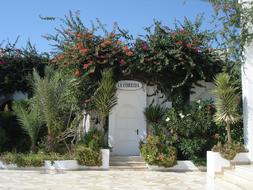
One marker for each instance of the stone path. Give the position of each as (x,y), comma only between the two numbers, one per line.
(113,180)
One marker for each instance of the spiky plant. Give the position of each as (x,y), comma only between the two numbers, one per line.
(105,97)
(51,94)
(154,113)
(29,118)
(226,103)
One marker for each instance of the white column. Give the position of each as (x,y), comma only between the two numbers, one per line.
(247,94)
(247,87)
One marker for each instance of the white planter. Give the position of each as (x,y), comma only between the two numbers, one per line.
(105,159)
(242,158)
(7,166)
(62,164)
(215,163)
(183,165)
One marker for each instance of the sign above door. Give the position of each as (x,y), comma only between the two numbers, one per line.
(129,85)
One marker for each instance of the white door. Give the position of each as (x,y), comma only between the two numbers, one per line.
(127,123)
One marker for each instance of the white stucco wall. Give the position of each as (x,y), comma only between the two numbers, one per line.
(202,93)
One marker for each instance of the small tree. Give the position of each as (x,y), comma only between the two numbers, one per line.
(226,103)
(105,97)
(28,116)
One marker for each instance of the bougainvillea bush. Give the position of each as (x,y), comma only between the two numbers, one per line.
(171,58)
(16,64)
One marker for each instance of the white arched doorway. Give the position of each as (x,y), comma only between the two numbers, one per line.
(127,123)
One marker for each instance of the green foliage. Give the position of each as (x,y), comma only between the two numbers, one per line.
(159,151)
(31,160)
(105,97)
(3,138)
(229,151)
(185,55)
(57,103)
(16,139)
(87,156)
(226,100)
(226,103)
(154,113)
(195,129)
(93,139)
(28,116)
(16,64)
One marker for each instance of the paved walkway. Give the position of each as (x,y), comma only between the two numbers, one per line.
(113,180)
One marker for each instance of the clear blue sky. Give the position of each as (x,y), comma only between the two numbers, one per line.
(21,17)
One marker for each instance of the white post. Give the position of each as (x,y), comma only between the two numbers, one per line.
(247,87)
(247,95)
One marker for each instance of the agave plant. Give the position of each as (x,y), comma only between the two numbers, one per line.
(154,113)
(105,97)
(226,103)
(28,117)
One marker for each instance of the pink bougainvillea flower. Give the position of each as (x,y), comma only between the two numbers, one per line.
(84,51)
(122,62)
(179,43)
(144,46)
(2,62)
(85,66)
(125,48)
(129,53)
(188,45)
(197,50)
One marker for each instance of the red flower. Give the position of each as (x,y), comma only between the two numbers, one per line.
(129,53)
(84,51)
(79,45)
(188,45)
(122,62)
(125,48)
(85,66)
(78,35)
(179,43)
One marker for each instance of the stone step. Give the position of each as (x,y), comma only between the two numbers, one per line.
(126,159)
(245,171)
(128,168)
(129,163)
(240,179)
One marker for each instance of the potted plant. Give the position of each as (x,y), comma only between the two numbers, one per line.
(226,103)
(104,100)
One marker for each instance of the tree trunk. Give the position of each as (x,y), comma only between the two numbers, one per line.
(229,133)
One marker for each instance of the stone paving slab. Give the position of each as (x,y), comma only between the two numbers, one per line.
(113,180)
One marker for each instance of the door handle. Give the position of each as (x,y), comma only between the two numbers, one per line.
(137,131)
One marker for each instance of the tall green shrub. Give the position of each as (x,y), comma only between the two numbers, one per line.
(105,97)
(28,117)
(226,103)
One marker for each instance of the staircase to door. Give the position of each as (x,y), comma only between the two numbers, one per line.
(241,177)
(127,163)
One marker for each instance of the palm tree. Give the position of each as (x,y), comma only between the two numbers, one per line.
(105,97)
(51,94)
(28,117)
(226,103)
